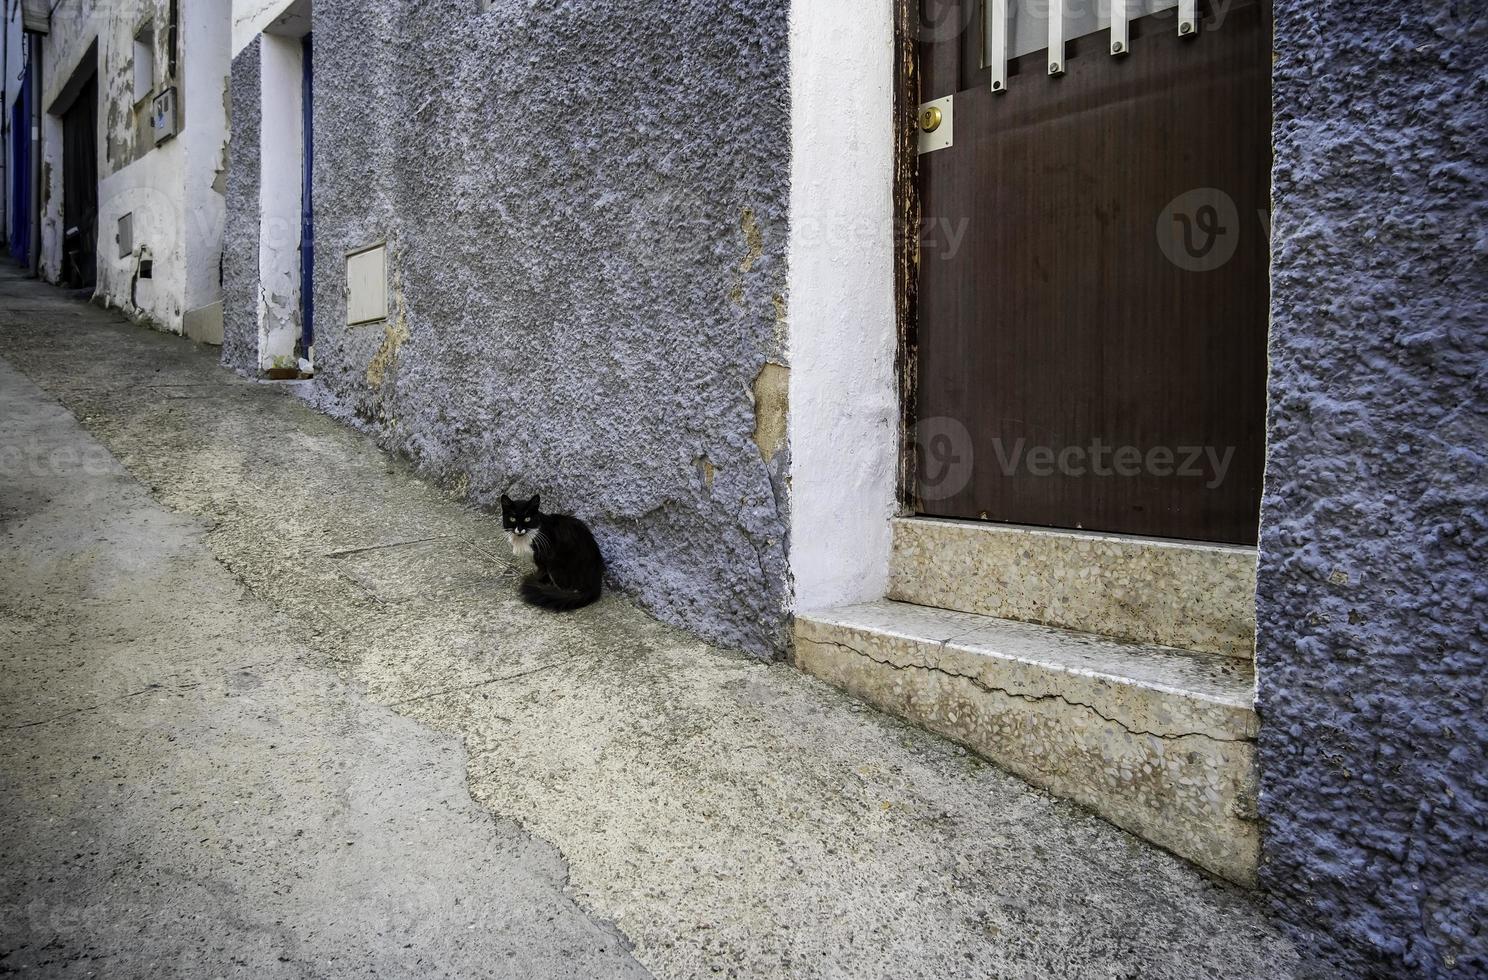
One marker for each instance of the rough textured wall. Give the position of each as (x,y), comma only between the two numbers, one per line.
(1373,597)
(585,207)
(240,236)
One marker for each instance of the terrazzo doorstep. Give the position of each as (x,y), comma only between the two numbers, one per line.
(1191,596)
(1173,765)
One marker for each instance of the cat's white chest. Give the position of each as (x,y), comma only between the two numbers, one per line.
(521,544)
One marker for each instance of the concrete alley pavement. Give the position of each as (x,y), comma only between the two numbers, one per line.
(271,706)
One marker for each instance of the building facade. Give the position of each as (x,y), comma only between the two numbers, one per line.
(638,269)
(127,154)
(1107,395)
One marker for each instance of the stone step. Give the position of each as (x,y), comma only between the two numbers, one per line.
(1190,595)
(1159,741)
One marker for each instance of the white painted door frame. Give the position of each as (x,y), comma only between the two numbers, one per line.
(845,414)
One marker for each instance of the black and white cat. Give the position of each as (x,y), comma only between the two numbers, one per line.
(570,569)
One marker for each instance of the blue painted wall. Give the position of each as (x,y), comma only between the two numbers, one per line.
(1373,589)
(585,205)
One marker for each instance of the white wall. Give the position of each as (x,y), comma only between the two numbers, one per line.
(250,17)
(136,177)
(282,155)
(844,423)
(175,191)
(50,246)
(150,190)
(206,34)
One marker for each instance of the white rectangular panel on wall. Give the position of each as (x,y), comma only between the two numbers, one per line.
(366,285)
(126,235)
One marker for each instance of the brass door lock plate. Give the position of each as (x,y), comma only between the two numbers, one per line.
(937,124)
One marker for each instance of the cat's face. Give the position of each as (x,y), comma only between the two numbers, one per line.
(519,516)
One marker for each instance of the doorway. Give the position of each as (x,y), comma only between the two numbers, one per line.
(1092,303)
(80,187)
(286,233)
(20,211)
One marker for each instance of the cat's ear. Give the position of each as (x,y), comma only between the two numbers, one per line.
(533,503)
(505,500)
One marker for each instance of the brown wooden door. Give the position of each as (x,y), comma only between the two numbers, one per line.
(1093,280)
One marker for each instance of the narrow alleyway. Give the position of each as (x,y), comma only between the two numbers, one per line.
(271,706)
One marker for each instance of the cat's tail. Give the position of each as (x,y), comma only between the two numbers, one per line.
(546,595)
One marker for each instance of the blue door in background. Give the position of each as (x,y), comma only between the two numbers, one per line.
(20,177)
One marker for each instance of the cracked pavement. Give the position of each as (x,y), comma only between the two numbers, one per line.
(298,723)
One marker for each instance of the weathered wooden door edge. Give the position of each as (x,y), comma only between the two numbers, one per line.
(906,235)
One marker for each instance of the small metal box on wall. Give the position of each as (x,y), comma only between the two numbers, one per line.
(36,15)
(164,116)
(126,235)
(366,285)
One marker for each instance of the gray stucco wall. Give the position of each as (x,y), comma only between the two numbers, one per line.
(240,236)
(585,206)
(1373,597)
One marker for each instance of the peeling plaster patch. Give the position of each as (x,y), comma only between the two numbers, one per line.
(771,404)
(706,470)
(754,240)
(114,147)
(396,332)
(392,341)
(754,245)
(219,179)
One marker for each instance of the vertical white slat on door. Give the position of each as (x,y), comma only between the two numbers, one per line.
(997,43)
(1120,27)
(1056,37)
(1188,17)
